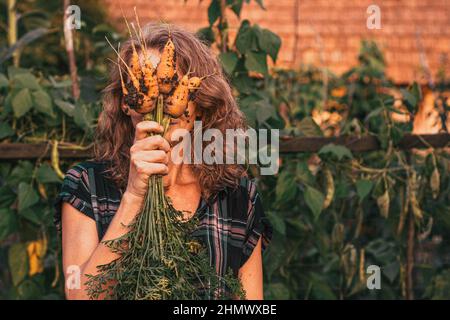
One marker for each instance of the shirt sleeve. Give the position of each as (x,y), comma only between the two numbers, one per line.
(75,191)
(258,225)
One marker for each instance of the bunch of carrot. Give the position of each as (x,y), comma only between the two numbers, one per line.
(158,257)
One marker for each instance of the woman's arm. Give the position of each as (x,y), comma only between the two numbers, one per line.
(81,247)
(80,244)
(251,275)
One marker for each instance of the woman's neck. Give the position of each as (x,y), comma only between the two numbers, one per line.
(179,175)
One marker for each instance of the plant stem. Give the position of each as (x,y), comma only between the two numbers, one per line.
(12,30)
(410,259)
(68,39)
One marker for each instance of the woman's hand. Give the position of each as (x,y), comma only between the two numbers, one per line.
(148,156)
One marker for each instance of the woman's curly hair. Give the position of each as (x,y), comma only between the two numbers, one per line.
(115,131)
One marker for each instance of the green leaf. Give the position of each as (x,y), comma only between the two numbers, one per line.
(297,224)
(206,34)
(4,82)
(27,196)
(22,172)
(410,100)
(60,84)
(309,128)
(26,80)
(320,288)
(229,61)
(416,91)
(256,61)
(363,188)
(31,215)
(342,189)
(248,106)
(83,117)
(243,83)
(7,196)
(397,134)
(286,188)
(14,71)
(337,150)
(67,107)
(277,222)
(412,97)
(43,102)
(378,189)
(278,291)
(261,4)
(5,130)
(5,169)
(303,174)
(245,38)
(270,43)
(7,105)
(8,222)
(213,12)
(391,271)
(314,200)
(29,289)
(22,103)
(18,262)
(274,257)
(236,7)
(45,174)
(381,249)
(264,110)
(375,113)
(250,116)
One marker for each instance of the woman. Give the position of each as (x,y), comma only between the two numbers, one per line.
(100,198)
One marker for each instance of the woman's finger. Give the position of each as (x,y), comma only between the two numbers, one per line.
(143,128)
(149,169)
(151,143)
(159,156)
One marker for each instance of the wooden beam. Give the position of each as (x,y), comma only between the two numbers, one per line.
(16,151)
(439,140)
(314,144)
(362,144)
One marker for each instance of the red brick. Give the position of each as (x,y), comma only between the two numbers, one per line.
(340,24)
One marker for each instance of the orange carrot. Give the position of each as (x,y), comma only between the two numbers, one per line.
(177,103)
(166,68)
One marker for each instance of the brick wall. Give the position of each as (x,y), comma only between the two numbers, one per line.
(328,32)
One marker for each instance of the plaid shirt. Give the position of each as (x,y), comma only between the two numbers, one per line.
(230,224)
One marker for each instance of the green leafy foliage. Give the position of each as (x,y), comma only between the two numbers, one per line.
(21,102)
(27,196)
(36,106)
(245,60)
(317,252)
(337,151)
(323,252)
(314,200)
(18,262)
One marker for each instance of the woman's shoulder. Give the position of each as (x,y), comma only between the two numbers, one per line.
(80,176)
(75,190)
(246,188)
(236,202)
(84,166)
(244,205)
(80,171)
(82,183)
